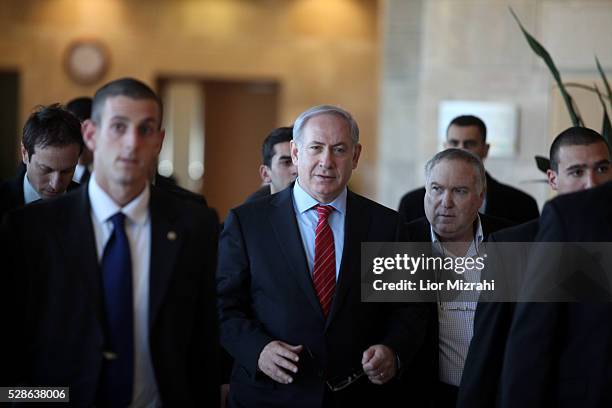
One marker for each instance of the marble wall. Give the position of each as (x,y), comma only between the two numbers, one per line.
(438,50)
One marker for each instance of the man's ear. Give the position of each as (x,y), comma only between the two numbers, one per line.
(162,135)
(486,150)
(24,154)
(356,154)
(552,179)
(264,173)
(88,129)
(294,152)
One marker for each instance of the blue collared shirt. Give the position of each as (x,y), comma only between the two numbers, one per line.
(307,218)
(29,192)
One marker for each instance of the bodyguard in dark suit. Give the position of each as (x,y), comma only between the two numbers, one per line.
(118,303)
(580,159)
(501,201)
(50,148)
(455,190)
(560,354)
(81,108)
(290,306)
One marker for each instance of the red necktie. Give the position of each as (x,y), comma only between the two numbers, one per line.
(324,270)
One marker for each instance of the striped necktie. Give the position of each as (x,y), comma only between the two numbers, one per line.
(324,270)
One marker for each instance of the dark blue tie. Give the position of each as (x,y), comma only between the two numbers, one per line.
(118,368)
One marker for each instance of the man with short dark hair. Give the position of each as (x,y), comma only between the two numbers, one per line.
(118,304)
(50,149)
(455,188)
(469,133)
(290,304)
(277,170)
(81,108)
(580,159)
(559,354)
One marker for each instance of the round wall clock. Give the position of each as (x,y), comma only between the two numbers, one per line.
(86,61)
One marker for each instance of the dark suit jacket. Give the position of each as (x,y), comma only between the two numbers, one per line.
(266,293)
(503,201)
(168,184)
(483,366)
(56,309)
(259,193)
(560,354)
(11,192)
(420,231)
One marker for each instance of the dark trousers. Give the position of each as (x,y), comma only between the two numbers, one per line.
(446,395)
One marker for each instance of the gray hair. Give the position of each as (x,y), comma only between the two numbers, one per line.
(301,120)
(464,156)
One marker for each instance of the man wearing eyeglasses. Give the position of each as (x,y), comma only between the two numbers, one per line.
(289,285)
(455,189)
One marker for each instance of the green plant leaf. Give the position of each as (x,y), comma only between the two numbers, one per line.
(542,53)
(605,81)
(606,128)
(543,163)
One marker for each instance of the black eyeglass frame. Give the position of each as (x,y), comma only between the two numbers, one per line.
(339,382)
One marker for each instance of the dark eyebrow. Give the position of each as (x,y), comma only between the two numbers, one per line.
(605,161)
(285,157)
(125,118)
(118,117)
(576,167)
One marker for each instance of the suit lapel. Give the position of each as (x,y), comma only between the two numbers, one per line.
(284,224)
(78,242)
(166,240)
(356,224)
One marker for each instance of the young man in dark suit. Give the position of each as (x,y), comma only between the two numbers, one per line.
(277,170)
(455,188)
(502,201)
(118,302)
(559,354)
(50,149)
(290,304)
(580,159)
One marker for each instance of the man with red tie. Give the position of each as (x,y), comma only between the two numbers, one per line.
(289,284)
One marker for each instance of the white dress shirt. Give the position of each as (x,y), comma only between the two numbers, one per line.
(138,231)
(29,192)
(456,319)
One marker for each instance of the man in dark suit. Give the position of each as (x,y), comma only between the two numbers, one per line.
(290,307)
(277,170)
(501,201)
(118,302)
(50,148)
(81,108)
(455,185)
(560,354)
(580,159)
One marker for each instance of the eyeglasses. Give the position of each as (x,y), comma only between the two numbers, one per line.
(340,382)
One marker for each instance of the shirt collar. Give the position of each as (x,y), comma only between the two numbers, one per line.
(78,172)
(305,202)
(104,207)
(479,234)
(29,192)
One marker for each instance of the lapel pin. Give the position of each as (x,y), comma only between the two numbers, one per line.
(171,235)
(109,355)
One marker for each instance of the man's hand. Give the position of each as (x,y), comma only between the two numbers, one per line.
(278,358)
(379,363)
